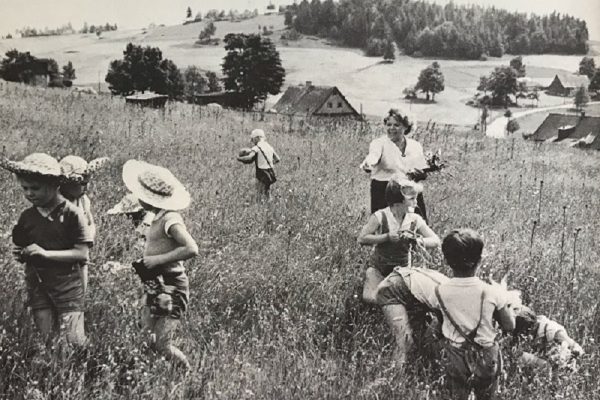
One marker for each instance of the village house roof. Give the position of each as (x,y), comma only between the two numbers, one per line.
(150,99)
(572,80)
(572,129)
(308,99)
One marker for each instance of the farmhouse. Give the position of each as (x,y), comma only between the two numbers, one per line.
(313,100)
(40,68)
(565,84)
(575,130)
(147,99)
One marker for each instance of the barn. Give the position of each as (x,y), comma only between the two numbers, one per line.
(566,84)
(147,99)
(311,100)
(575,130)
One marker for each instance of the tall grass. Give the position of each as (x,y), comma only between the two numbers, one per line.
(274,310)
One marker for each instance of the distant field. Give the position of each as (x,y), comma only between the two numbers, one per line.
(365,81)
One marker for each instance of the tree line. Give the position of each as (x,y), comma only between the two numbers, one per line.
(66,29)
(427,29)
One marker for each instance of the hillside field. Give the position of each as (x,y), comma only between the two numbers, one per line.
(274,310)
(366,82)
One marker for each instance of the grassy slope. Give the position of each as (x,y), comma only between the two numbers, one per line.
(273,310)
(364,80)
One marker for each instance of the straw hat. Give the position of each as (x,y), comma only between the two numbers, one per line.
(129,204)
(155,185)
(35,164)
(77,169)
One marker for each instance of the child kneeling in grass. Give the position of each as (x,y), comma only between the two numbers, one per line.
(473,359)
(53,239)
(395,231)
(168,244)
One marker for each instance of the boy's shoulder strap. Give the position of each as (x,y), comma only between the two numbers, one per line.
(385,225)
(264,155)
(470,337)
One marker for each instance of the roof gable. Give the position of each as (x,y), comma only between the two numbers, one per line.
(582,128)
(306,99)
(549,128)
(572,80)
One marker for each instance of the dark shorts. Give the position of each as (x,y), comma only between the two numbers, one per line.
(393,290)
(169,297)
(265,176)
(53,287)
(469,369)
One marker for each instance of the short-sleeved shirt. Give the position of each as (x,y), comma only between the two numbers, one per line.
(159,241)
(264,158)
(61,229)
(462,299)
(387,159)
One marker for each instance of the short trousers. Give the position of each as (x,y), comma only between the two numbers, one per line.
(265,176)
(59,288)
(168,295)
(394,290)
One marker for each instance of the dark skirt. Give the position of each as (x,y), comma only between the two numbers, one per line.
(378,199)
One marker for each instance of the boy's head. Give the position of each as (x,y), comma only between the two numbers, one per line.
(404,191)
(462,250)
(39,190)
(257,135)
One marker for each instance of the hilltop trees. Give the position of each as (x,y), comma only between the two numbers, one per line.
(587,66)
(143,68)
(457,31)
(252,68)
(431,80)
(188,13)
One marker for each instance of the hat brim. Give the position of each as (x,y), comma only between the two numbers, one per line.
(178,200)
(21,168)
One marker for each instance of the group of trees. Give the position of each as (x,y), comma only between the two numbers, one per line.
(251,68)
(22,67)
(97,29)
(429,29)
(27,31)
(143,68)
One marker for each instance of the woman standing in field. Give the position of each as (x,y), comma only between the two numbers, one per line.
(395,154)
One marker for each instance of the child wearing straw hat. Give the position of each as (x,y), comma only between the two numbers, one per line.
(394,231)
(78,173)
(168,244)
(264,157)
(52,239)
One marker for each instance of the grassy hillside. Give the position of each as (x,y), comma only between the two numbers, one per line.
(274,312)
(365,81)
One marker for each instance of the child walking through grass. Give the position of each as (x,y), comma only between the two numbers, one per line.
(168,244)
(394,231)
(264,157)
(473,358)
(53,239)
(78,172)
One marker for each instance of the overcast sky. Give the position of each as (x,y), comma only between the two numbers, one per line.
(16,14)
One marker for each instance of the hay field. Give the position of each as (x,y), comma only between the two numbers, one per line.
(274,312)
(364,80)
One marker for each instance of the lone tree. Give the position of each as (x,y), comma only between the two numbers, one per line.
(388,51)
(502,82)
(188,13)
(431,80)
(512,126)
(69,71)
(144,69)
(252,68)
(587,66)
(581,98)
(517,64)
(209,30)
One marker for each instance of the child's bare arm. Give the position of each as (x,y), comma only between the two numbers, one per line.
(506,318)
(368,235)
(429,239)
(187,248)
(79,253)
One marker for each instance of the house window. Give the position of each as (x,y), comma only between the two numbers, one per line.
(339,104)
(329,105)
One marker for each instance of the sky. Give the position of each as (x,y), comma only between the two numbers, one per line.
(15,14)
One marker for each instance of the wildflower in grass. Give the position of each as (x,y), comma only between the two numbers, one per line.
(52,238)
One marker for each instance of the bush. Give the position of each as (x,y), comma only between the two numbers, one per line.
(291,34)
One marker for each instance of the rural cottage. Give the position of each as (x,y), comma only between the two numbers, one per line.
(565,84)
(581,131)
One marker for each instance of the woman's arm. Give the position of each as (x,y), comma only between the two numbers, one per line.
(187,248)
(429,239)
(368,235)
(79,253)
(372,159)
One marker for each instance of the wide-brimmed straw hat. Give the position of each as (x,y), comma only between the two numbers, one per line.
(77,169)
(35,165)
(129,204)
(155,185)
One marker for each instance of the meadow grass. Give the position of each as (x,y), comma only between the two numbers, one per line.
(274,309)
